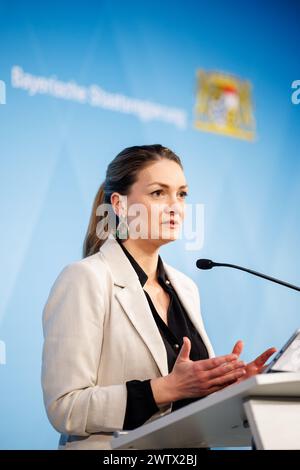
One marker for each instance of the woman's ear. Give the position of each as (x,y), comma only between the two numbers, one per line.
(115,202)
(119,204)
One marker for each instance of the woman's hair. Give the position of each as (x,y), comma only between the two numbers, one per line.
(121,174)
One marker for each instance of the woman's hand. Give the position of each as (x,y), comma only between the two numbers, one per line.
(192,379)
(258,365)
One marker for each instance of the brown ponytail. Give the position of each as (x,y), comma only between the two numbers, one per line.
(92,242)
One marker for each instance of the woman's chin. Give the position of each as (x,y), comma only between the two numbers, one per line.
(170,234)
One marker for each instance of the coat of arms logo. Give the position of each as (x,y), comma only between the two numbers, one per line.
(224,105)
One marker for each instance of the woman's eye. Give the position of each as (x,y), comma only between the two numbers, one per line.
(157,192)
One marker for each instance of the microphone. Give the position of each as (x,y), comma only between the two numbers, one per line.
(209,264)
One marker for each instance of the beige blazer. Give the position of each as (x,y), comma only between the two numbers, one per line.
(99,332)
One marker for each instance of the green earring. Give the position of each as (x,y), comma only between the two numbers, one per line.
(122,230)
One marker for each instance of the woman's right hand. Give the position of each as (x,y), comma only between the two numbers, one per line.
(192,379)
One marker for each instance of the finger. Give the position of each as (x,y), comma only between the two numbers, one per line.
(225,379)
(184,353)
(238,347)
(207,364)
(225,369)
(260,360)
(217,388)
(231,382)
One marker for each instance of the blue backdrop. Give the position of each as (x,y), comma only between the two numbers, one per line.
(54,153)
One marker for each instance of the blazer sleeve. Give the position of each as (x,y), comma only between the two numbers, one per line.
(73,333)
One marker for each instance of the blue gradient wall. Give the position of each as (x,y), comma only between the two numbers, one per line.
(54,153)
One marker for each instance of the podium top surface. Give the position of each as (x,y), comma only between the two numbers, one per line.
(216,420)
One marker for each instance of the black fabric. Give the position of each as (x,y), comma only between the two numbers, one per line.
(140,404)
(140,401)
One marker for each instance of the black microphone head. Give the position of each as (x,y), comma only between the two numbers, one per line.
(205,263)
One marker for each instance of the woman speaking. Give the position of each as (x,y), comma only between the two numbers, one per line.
(124,339)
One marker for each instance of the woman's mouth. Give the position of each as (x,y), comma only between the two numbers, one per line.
(171,223)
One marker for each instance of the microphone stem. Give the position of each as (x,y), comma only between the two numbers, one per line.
(264,276)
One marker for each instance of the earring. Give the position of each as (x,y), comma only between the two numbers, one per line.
(122,230)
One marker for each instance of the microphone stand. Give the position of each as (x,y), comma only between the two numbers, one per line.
(208,264)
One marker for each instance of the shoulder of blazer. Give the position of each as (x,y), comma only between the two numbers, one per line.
(89,273)
(93,264)
(84,281)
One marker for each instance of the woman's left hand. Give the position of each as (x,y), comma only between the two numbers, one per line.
(258,365)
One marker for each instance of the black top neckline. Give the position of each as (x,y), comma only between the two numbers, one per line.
(161,273)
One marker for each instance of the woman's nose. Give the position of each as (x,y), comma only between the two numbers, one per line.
(173,209)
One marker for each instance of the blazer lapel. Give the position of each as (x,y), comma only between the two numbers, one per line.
(187,298)
(135,305)
(131,297)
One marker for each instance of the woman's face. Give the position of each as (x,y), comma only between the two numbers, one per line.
(155,205)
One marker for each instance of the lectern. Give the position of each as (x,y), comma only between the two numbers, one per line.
(265,407)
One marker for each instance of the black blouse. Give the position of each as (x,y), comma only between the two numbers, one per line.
(140,401)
